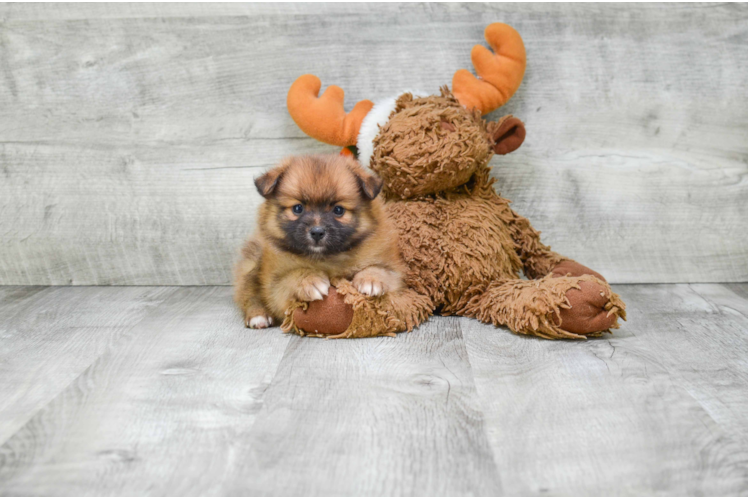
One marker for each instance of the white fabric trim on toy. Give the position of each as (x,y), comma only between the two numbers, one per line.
(377,117)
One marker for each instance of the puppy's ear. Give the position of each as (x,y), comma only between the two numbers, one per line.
(267,182)
(370,184)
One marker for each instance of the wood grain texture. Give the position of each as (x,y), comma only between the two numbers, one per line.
(381,416)
(658,408)
(49,336)
(186,401)
(160,413)
(51,11)
(131,133)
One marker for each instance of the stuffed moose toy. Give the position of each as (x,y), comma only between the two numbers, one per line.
(463,245)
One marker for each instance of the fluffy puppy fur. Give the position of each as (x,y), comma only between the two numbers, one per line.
(322,219)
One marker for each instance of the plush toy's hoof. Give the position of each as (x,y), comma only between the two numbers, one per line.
(572,268)
(329,316)
(588,313)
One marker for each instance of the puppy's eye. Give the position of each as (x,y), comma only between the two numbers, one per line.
(297,209)
(338,210)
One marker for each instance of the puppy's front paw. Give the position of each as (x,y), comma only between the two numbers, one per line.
(375,281)
(258,322)
(312,288)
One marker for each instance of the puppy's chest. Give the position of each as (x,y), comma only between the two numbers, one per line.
(276,266)
(455,243)
(339,268)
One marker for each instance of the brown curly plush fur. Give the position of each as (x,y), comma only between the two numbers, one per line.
(428,145)
(463,244)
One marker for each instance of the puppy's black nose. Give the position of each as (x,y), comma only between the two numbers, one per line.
(317,233)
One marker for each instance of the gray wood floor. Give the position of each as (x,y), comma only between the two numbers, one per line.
(160,390)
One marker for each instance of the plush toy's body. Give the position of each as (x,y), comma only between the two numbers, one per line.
(463,244)
(465,250)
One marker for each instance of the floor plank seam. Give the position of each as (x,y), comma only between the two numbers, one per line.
(83,372)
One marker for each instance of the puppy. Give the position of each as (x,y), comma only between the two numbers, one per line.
(321,220)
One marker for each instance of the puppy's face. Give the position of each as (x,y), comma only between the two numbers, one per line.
(318,205)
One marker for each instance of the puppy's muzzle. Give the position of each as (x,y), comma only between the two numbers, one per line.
(317,233)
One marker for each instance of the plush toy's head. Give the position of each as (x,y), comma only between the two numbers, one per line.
(424,144)
(432,144)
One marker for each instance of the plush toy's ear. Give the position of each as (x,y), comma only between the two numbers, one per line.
(267,182)
(507,134)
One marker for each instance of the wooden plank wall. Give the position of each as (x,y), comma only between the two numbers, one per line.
(130,133)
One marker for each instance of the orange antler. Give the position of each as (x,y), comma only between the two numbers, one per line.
(324,118)
(500,73)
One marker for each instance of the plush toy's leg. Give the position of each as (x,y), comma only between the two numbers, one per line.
(550,307)
(386,315)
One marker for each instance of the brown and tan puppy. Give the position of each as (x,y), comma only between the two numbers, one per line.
(322,219)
